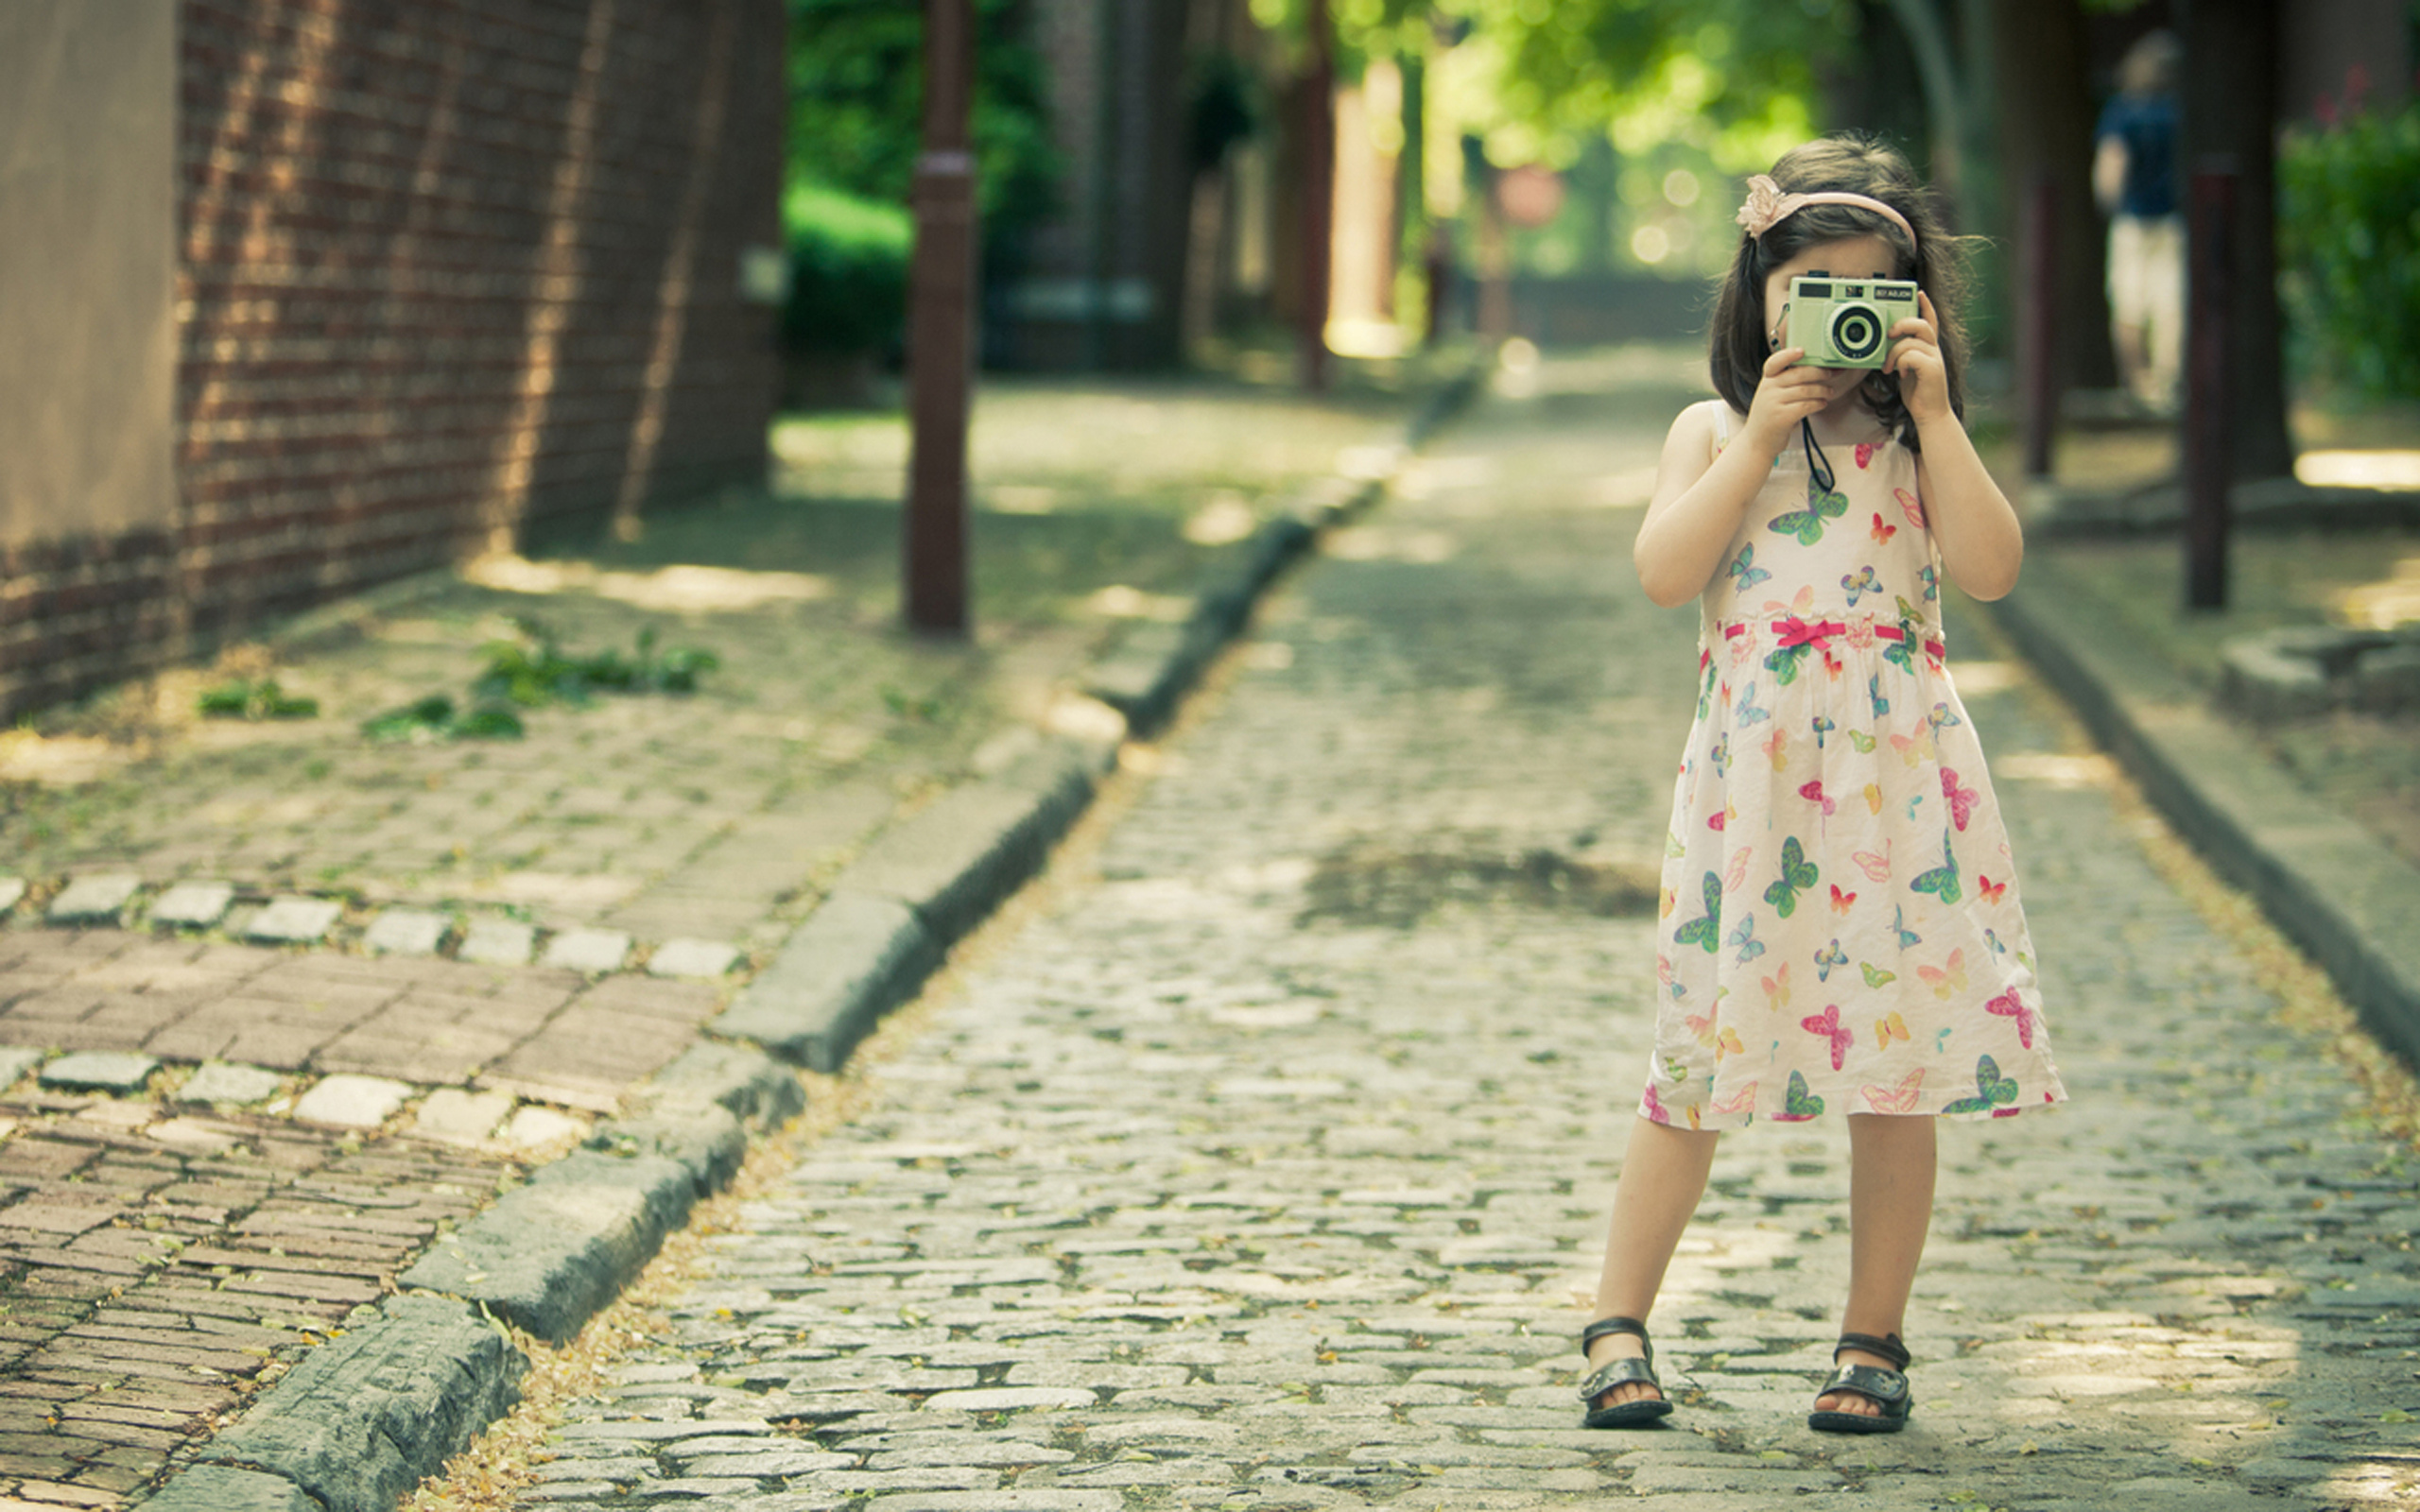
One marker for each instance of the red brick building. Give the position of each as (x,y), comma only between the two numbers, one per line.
(429,276)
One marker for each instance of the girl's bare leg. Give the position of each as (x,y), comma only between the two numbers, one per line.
(1663,1175)
(1890,1182)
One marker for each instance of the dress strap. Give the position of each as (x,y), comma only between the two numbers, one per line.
(1721,426)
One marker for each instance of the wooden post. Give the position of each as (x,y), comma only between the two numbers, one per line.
(2039,325)
(941,329)
(2208,462)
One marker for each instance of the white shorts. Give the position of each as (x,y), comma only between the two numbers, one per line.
(2147,271)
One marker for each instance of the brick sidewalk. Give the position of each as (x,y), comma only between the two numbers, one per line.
(213,1145)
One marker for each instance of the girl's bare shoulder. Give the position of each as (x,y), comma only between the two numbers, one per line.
(1703,427)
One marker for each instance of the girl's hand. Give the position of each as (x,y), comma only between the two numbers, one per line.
(1785,395)
(1924,383)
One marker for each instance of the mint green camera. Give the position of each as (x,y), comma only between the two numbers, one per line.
(1845,322)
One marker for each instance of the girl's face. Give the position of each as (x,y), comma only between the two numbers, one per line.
(1851,257)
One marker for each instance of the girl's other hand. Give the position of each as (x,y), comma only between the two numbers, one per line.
(1785,395)
(1924,383)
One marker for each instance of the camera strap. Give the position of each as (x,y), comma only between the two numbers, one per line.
(1819,467)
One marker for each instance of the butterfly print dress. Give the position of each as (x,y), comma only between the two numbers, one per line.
(1839,925)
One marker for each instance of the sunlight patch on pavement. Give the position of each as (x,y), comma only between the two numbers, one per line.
(2054,770)
(59,759)
(2384,605)
(2359,470)
(679,588)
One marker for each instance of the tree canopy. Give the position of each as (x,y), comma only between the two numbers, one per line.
(856,85)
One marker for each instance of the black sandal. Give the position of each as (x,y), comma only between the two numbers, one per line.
(1622,1372)
(1886,1389)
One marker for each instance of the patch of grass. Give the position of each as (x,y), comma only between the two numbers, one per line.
(247,698)
(535,671)
(434,718)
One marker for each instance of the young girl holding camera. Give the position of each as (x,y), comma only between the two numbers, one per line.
(1841,930)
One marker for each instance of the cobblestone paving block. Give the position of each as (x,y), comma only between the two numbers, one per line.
(192,905)
(1290,1138)
(856,957)
(498,943)
(294,921)
(12,892)
(702,958)
(349,1101)
(99,1071)
(221,1081)
(587,949)
(459,1116)
(362,1419)
(406,931)
(97,898)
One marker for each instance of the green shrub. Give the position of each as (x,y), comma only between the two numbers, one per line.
(2349,228)
(848,270)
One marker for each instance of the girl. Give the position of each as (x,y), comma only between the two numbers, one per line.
(1840,927)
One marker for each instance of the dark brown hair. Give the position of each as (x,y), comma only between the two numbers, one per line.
(1851,164)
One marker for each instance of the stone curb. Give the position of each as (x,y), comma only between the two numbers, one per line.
(360,1420)
(2337,892)
(923,883)
(2056,512)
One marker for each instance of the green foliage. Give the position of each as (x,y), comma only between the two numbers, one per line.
(433,718)
(856,85)
(533,670)
(2349,234)
(848,270)
(243,698)
(1731,78)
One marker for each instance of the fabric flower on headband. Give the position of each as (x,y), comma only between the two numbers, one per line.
(1767,206)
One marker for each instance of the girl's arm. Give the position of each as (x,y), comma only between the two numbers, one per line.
(1700,501)
(1981,543)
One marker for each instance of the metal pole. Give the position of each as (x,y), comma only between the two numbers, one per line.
(2208,466)
(1319,197)
(2041,392)
(941,329)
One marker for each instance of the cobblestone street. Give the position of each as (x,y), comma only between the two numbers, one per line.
(1270,1167)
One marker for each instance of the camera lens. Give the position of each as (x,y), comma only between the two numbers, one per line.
(1856,331)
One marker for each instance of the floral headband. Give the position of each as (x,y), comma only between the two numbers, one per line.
(1767,206)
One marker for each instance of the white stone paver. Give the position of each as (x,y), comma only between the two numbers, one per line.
(220,1081)
(294,921)
(532,1126)
(97,899)
(461,1117)
(702,958)
(587,949)
(111,1071)
(498,943)
(192,905)
(406,931)
(349,1101)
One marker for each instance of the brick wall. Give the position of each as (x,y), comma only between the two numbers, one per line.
(447,274)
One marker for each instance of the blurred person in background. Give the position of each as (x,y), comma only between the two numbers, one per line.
(2133,178)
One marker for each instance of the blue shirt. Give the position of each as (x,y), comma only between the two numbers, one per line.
(2146,125)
